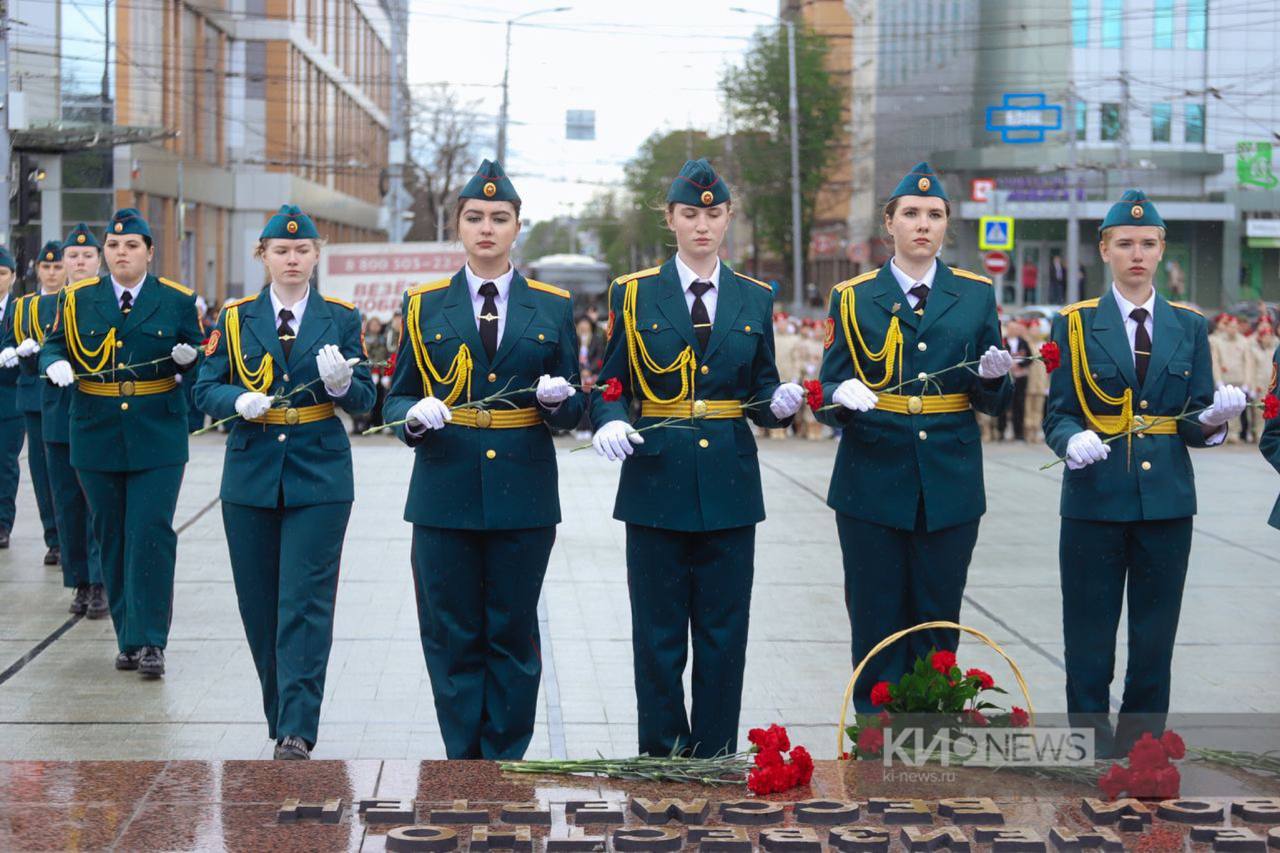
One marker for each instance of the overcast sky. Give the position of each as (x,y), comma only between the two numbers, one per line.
(642,67)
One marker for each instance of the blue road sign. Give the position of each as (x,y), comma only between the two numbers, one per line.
(1023,119)
(995,233)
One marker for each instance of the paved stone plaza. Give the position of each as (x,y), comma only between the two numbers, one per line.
(67,702)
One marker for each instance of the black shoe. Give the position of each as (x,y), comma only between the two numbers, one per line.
(80,604)
(53,556)
(151,662)
(128,660)
(97,606)
(292,748)
(4,538)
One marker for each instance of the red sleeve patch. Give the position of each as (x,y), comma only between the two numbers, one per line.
(211,345)
(609,331)
(831,333)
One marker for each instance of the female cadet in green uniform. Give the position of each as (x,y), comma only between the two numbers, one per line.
(690,339)
(907,485)
(26,334)
(483,500)
(286,483)
(81,560)
(12,429)
(120,339)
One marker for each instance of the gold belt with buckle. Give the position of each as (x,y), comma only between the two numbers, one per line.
(127,388)
(714,409)
(1163,425)
(496,418)
(294,416)
(937,404)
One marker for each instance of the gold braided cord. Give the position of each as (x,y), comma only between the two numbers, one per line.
(892,342)
(37,331)
(639,360)
(258,380)
(459,371)
(1081,376)
(105,352)
(19,332)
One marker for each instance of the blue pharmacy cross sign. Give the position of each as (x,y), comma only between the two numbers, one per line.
(1023,119)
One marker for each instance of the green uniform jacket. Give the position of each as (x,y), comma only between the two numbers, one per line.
(487,479)
(702,474)
(1270,444)
(147,430)
(8,375)
(28,384)
(55,402)
(887,462)
(1156,481)
(309,463)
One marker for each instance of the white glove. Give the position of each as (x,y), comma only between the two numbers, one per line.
(27,348)
(335,371)
(8,357)
(183,354)
(613,440)
(60,373)
(430,413)
(786,400)
(995,362)
(554,390)
(1085,448)
(1228,403)
(251,404)
(852,394)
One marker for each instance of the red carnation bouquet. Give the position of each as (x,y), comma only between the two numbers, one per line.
(935,686)
(1150,773)
(778,766)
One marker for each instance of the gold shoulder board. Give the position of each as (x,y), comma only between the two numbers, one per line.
(185,291)
(549,288)
(972,276)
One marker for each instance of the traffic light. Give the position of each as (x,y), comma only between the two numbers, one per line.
(30,177)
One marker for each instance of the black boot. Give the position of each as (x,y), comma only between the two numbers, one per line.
(4,538)
(80,604)
(292,748)
(53,556)
(98,607)
(151,664)
(128,660)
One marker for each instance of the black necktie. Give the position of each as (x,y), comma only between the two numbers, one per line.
(1141,343)
(489,318)
(921,293)
(126,303)
(285,331)
(698,314)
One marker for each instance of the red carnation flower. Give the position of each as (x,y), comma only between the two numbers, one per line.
(1147,754)
(985,680)
(612,390)
(1168,783)
(880,694)
(1173,745)
(1270,406)
(1114,782)
(802,763)
(975,718)
(1142,783)
(1051,356)
(391,363)
(1018,718)
(813,390)
(884,719)
(774,737)
(943,662)
(766,758)
(870,741)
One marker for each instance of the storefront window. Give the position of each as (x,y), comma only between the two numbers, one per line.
(1110,127)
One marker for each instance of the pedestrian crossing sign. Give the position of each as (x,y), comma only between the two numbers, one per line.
(995,233)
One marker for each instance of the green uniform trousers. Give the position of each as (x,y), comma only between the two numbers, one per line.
(1099,561)
(12,432)
(894,579)
(132,515)
(477,593)
(285,564)
(684,582)
(40,477)
(81,559)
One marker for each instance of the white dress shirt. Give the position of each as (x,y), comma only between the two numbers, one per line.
(4,306)
(503,283)
(297,309)
(688,277)
(1130,324)
(906,282)
(132,291)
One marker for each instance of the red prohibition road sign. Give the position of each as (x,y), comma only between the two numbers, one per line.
(995,263)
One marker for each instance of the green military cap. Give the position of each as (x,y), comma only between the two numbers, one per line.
(490,183)
(1133,208)
(81,236)
(50,253)
(698,185)
(290,224)
(921,180)
(129,221)
(6,259)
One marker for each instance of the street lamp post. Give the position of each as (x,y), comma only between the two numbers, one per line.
(793,106)
(506,76)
